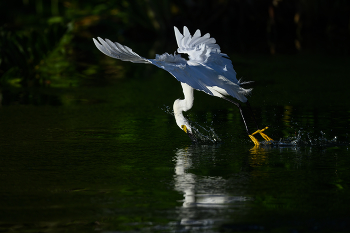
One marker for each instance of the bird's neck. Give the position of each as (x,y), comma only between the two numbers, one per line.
(183,105)
(187,102)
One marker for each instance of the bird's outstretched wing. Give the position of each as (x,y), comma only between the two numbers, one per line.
(216,72)
(118,51)
(174,64)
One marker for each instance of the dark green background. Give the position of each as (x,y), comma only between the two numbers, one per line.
(88,143)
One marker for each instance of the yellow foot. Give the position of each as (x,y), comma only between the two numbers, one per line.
(260,131)
(256,142)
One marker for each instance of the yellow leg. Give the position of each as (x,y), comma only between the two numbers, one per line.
(267,138)
(260,131)
(256,142)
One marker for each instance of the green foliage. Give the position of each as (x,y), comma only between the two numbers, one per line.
(23,52)
(49,42)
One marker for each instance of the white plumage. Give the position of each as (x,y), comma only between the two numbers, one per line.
(207,69)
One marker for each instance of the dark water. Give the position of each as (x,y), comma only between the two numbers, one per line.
(111,159)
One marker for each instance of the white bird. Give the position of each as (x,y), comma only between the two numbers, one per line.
(207,69)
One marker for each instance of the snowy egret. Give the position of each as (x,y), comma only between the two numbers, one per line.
(207,69)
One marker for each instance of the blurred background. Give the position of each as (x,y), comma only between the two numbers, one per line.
(49,42)
(89,143)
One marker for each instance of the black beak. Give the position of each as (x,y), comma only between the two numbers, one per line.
(192,137)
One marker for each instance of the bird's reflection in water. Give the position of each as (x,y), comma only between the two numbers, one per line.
(258,156)
(206,200)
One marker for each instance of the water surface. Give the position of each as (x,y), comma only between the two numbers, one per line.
(111,159)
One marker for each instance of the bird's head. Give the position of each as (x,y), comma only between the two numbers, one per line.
(186,128)
(183,123)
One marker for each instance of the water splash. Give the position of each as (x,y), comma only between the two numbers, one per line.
(168,110)
(202,134)
(207,135)
(303,138)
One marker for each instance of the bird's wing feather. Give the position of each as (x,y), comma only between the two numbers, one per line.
(178,67)
(204,77)
(188,44)
(118,51)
